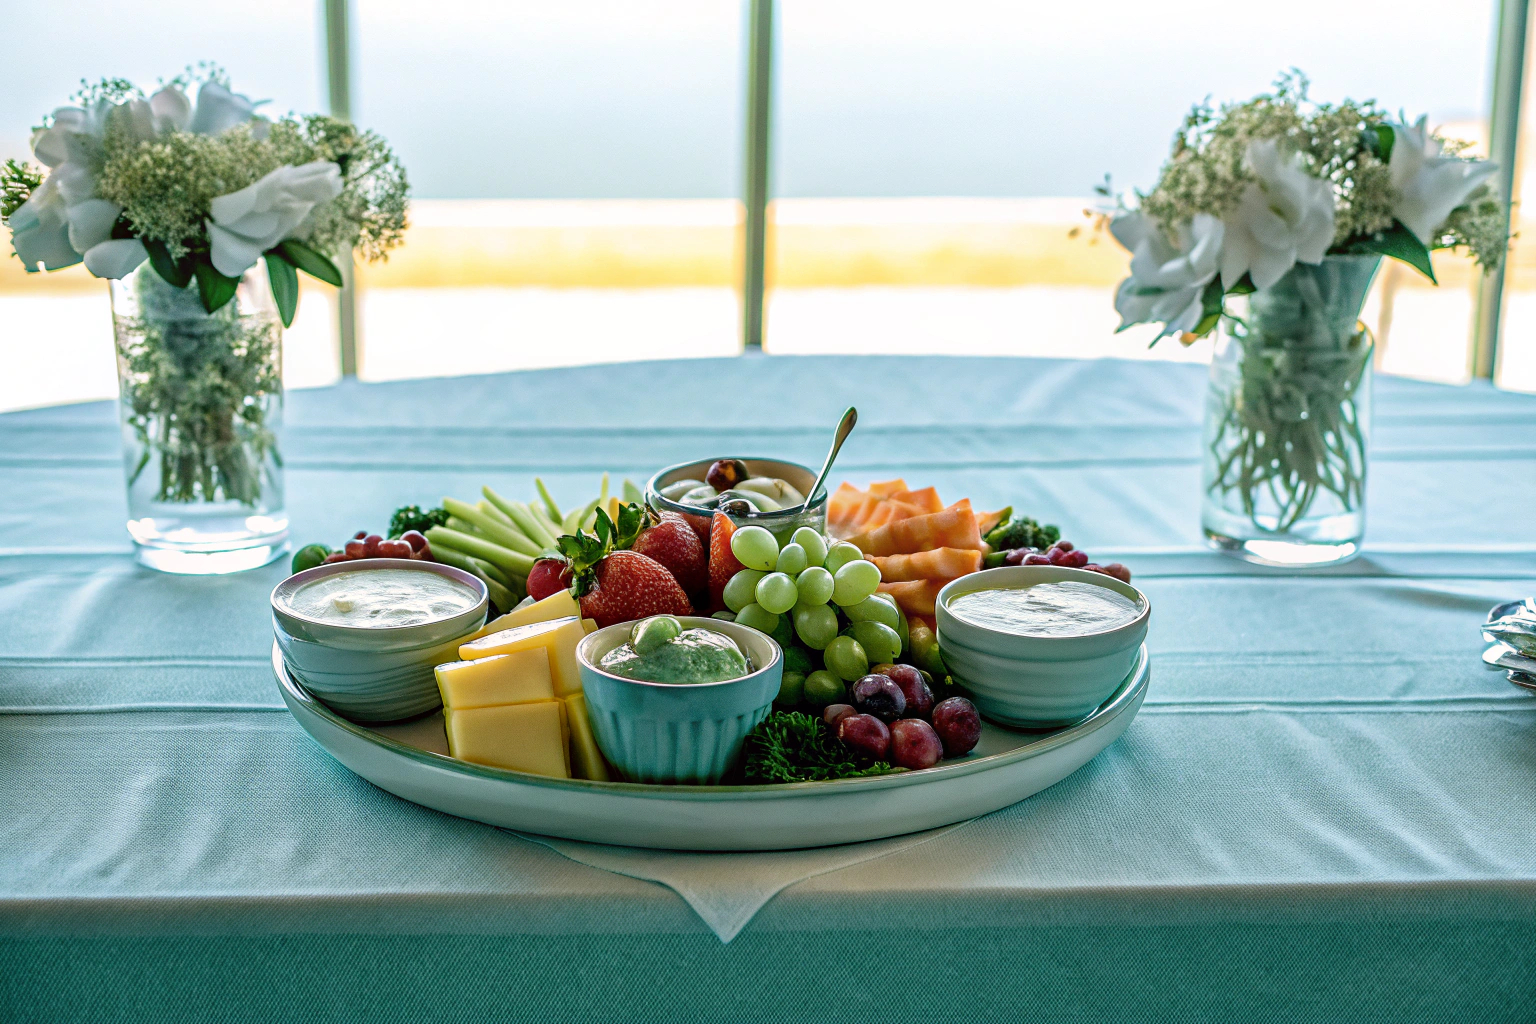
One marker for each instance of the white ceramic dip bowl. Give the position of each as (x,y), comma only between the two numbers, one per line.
(1038,682)
(373,673)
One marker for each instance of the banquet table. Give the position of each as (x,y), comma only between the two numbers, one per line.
(1326,807)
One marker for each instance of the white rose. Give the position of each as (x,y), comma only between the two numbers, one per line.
(64,220)
(1167,278)
(247,223)
(1429,186)
(1284,218)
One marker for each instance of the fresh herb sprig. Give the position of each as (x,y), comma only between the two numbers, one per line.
(411,517)
(789,746)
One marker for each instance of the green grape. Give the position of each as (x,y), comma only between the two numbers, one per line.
(791,689)
(881,643)
(816,627)
(846,658)
(758,617)
(822,688)
(796,658)
(784,633)
(815,586)
(651,634)
(792,560)
(755,548)
(815,545)
(724,616)
(776,593)
(841,554)
(875,608)
(741,589)
(855,582)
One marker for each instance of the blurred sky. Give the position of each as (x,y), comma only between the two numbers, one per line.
(643,98)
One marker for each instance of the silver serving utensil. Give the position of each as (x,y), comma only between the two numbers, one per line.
(844,428)
(1512,621)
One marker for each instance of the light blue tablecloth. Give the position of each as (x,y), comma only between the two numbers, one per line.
(1325,809)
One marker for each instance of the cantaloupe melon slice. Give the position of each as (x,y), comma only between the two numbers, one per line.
(916,597)
(955,527)
(942,564)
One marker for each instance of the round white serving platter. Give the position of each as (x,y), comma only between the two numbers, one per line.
(410,760)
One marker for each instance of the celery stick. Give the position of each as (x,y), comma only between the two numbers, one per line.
(455,523)
(500,596)
(575,518)
(632,494)
(514,562)
(549,503)
(525,520)
(505,579)
(494,512)
(602,495)
(552,526)
(506,536)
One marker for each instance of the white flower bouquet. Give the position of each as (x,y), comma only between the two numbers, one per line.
(1293,204)
(1253,189)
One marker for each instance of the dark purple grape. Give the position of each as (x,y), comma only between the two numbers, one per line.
(958,725)
(879,695)
(834,713)
(1017,555)
(1036,559)
(866,736)
(736,507)
(919,697)
(914,744)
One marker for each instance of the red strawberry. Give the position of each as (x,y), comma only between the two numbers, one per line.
(722,564)
(627,585)
(548,576)
(669,539)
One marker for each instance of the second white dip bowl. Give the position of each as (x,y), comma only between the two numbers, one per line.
(1038,682)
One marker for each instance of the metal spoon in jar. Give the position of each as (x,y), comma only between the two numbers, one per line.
(850,419)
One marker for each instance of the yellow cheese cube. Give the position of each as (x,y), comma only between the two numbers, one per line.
(522,737)
(558,637)
(500,679)
(590,625)
(586,760)
(556,606)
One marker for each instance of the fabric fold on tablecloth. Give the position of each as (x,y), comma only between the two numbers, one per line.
(727,890)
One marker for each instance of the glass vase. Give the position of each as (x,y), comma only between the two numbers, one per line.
(1287,419)
(200,400)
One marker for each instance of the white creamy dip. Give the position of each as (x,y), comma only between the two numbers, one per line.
(1046,609)
(381,598)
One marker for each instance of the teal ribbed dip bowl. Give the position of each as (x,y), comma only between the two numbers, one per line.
(686,733)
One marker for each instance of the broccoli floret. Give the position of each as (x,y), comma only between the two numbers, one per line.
(1022,532)
(411,517)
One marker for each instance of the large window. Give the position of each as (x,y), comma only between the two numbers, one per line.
(576,167)
(577,171)
(933,161)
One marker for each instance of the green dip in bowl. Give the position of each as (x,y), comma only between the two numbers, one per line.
(693,656)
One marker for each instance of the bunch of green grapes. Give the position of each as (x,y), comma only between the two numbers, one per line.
(819,596)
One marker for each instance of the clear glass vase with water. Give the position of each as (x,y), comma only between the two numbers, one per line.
(1287,419)
(200,405)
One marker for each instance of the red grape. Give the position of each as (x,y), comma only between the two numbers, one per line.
(835,713)
(879,696)
(337,556)
(1059,557)
(914,744)
(958,725)
(913,688)
(1063,545)
(865,735)
(360,534)
(1017,556)
(356,549)
(1075,559)
(1036,559)
(1118,571)
(394,549)
(371,544)
(415,539)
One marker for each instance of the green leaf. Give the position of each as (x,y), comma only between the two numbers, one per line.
(311,262)
(285,285)
(176,273)
(1381,139)
(1400,244)
(1244,286)
(215,289)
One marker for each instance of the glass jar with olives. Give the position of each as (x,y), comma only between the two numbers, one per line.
(762,492)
